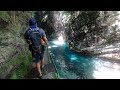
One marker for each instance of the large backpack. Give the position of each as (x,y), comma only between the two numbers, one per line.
(35,39)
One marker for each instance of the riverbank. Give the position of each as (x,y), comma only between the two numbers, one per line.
(108,51)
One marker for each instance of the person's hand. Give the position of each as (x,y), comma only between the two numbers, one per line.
(42,42)
(47,44)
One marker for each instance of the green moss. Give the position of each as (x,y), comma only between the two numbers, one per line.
(14,76)
(20,72)
(4,15)
(57,76)
(22,60)
(13,35)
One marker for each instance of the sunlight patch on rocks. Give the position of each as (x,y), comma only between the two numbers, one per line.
(111,56)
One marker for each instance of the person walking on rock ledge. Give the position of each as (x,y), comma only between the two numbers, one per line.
(37,40)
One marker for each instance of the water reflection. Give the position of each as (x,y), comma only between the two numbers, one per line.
(60,41)
(54,46)
(106,70)
(73,57)
(56,42)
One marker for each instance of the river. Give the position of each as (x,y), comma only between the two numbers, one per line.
(72,65)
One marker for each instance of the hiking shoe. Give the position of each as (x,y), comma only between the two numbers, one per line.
(39,76)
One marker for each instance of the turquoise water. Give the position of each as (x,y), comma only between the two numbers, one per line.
(72,65)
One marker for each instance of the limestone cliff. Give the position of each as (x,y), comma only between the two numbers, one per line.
(12,45)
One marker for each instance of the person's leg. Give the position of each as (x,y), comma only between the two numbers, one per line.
(42,63)
(42,60)
(38,65)
(42,56)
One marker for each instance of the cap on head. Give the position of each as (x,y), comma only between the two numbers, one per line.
(32,21)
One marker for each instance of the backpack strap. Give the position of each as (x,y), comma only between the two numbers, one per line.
(30,31)
(34,29)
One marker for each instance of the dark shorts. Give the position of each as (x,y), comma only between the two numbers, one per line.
(38,56)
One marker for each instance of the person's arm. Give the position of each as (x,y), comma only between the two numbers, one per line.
(45,39)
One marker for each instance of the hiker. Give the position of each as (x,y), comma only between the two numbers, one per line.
(37,40)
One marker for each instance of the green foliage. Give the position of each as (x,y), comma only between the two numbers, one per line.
(22,60)
(20,72)
(5,16)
